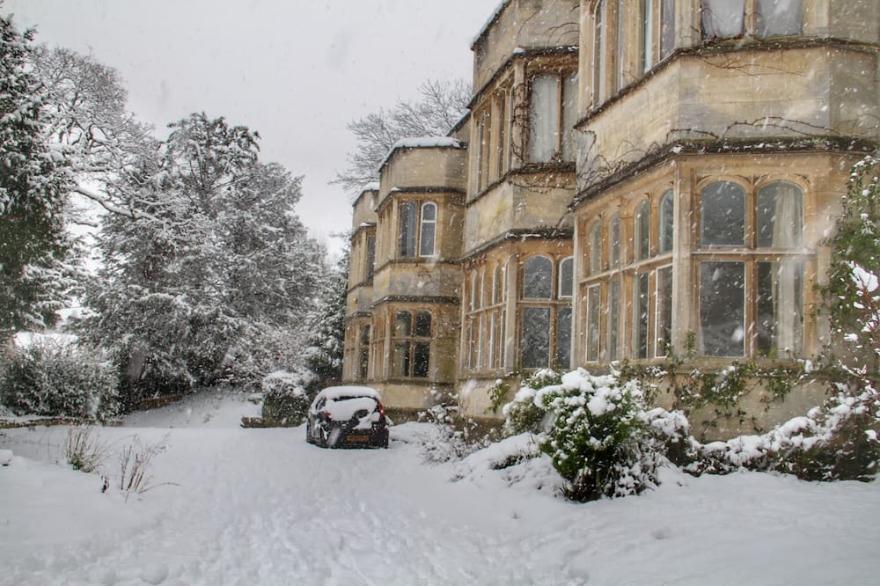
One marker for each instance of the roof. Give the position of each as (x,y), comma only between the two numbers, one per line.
(446,142)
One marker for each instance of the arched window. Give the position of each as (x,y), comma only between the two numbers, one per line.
(722,214)
(600,42)
(614,237)
(428,229)
(596,248)
(780,216)
(643,231)
(779,17)
(537,278)
(566,277)
(498,289)
(408,229)
(667,221)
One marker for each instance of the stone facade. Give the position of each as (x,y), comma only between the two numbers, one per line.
(634,178)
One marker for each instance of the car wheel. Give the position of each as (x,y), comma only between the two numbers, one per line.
(309,438)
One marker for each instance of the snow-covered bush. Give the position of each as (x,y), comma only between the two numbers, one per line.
(285,401)
(597,432)
(60,380)
(524,414)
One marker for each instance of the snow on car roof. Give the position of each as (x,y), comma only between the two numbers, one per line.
(335,393)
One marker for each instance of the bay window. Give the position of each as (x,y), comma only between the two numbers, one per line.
(723,214)
(411,356)
(722,308)
(545,313)
(417,227)
(724,19)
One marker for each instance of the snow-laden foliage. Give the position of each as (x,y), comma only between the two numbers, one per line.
(58,380)
(211,271)
(325,344)
(36,272)
(440,107)
(285,400)
(598,432)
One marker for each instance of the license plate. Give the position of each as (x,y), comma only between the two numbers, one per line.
(358,438)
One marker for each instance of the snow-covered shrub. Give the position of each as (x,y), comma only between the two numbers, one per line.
(285,401)
(451,437)
(59,380)
(524,414)
(598,433)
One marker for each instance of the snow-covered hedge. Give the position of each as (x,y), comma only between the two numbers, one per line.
(59,380)
(285,400)
(598,433)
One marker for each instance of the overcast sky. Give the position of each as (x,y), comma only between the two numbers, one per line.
(295,70)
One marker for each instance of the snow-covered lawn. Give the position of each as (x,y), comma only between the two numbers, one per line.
(263,507)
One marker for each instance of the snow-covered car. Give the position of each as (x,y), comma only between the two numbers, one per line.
(347,417)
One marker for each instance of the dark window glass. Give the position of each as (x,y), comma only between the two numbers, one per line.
(408,229)
(667,28)
(640,317)
(563,338)
(780,310)
(667,221)
(722,308)
(537,278)
(614,320)
(722,18)
(403,324)
(614,236)
(780,17)
(594,312)
(723,215)
(535,343)
(429,229)
(664,310)
(566,277)
(423,324)
(643,231)
(421,360)
(371,256)
(780,216)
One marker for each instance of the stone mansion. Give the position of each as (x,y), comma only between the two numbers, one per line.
(633,177)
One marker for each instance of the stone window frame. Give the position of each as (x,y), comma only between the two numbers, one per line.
(562,75)
(750,255)
(484,320)
(492,155)
(413,341)
(419,204)
(554,303)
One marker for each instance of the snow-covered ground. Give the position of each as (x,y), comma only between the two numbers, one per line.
(261,506)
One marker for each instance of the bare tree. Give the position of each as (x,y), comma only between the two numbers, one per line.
(440,106)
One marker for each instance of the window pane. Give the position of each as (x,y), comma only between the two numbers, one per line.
(640,316)
(563,338)
(722,18)
(667,220)
(421,360)
(566,277)
(723,216)
(537,278)
(475,294)
(596,249)
(664,310)
(643,231)
(622,40)
(408,229)
(498,289)
(594,313)
(371,256)
(535,343)
(780,216)
(780,312)
(722,308)
(363,363)
(569,116)
(667,28)
(423,324)
(543,118)
(400,359)
(365,335)
(599,53)
(780,17)
(402,324)
(614,321)
(646,8)
(615,242)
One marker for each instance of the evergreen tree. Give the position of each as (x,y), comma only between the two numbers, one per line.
(326,344)
(34,247)
(205,278)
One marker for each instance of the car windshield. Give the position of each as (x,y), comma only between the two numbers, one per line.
(344,408)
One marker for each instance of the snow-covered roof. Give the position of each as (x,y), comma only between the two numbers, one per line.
(421,142)
(490,21)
